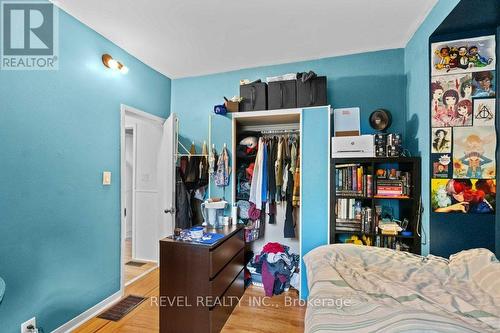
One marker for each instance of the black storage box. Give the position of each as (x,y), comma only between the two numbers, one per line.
(311,92)
(254,97)
(282,95)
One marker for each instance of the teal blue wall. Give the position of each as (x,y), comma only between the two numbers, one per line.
(416,56)
(59,227)
(368,80)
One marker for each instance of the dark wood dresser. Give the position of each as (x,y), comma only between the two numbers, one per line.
(200,284)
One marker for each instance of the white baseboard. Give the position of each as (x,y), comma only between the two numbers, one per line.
(89,314)
(140,276)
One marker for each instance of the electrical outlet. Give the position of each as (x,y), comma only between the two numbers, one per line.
(24,326)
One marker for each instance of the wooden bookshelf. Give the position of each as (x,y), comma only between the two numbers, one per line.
(405,206)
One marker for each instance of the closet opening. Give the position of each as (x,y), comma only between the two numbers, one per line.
(266,195)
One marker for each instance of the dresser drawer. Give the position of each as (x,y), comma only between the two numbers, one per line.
(222,254)
(220,313)
(222,281)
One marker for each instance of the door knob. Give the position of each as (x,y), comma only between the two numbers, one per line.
(169,211)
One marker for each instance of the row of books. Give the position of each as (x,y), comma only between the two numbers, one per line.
(350,179)
(351,216)
(393,187)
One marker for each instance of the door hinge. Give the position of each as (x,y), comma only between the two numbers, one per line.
(125,212)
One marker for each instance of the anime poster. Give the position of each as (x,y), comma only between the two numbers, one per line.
(464,55)
(484,111)
(451,100)
(483,84)
(441,166)
(441,140)
(474,152)
(473,196)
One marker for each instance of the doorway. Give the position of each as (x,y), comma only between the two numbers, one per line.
(141,192)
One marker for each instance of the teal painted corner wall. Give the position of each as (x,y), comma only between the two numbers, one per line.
(416,64)
(59,227)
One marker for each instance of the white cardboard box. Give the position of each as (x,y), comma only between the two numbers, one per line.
(353,146)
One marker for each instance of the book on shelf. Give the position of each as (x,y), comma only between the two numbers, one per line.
(352,217)
(395,185)
(351,180)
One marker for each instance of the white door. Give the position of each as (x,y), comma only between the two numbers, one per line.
(167,159)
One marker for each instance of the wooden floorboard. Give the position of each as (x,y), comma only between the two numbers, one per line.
(247,317)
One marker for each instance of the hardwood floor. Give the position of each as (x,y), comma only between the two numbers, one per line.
(247,317)
(132,272)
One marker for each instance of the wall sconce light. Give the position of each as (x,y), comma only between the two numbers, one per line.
(109,62)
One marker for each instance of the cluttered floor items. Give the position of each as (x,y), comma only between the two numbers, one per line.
(275,269)
(268,175)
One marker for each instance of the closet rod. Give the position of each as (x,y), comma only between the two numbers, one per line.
(286,131)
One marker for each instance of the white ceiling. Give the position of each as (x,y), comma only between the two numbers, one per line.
(182,38)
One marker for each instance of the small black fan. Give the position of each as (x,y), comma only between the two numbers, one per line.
(380,120)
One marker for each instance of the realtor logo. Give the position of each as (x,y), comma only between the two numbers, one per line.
(29,35)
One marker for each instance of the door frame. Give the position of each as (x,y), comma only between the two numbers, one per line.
(123,182)
(124,110)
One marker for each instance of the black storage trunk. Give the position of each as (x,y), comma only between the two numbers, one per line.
(311,92)
(282,95)
(254,97)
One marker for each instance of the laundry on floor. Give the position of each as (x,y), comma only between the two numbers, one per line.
(275,269)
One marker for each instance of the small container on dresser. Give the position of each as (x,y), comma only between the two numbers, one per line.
(200,284)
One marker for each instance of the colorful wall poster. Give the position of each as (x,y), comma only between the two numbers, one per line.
(451,100)
(484,111)
(474,152)
(441,166)
(473,196)
(463,55)
(483,84)
(441,140)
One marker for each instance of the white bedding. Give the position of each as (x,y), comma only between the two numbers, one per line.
(368,289)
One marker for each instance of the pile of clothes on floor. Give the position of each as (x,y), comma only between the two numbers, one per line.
(277,268)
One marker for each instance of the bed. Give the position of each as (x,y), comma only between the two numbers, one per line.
(368,289)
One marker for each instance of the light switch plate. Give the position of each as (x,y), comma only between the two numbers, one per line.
(24,326)
(106,178)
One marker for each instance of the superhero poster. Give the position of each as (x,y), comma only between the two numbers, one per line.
(464,55)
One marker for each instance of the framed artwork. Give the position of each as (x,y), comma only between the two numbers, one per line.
(484,111)
(451,100)
(463,55)
(441,140)
(474,152)
(441,166)
(483,84)
(473,196)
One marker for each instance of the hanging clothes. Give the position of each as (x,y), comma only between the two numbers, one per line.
(264,171)
(271,179)
(212,162)
(203,172)
(183,215)
(289,227)
(223,173)
(279,169)
(191,177)
(256,185)
(296,182)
